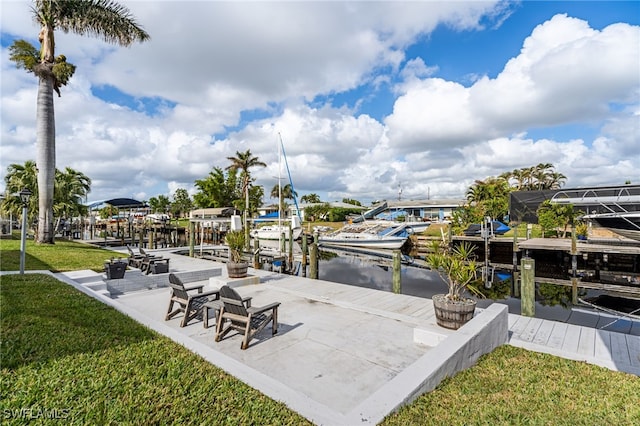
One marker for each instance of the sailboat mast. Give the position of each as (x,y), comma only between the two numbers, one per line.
(286,163)
(279,195)
(280,182)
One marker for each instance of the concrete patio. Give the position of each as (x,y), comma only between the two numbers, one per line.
(343,354)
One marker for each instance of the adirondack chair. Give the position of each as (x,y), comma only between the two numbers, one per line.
(188,302)
(152,264)
(247,320)
(135,260)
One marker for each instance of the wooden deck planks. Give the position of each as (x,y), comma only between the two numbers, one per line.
(529,332)
(633,342)
(602,343)
(519,326)
(619,349)
(571,338)
(386,299)
(586,343)
(425,312)
(556,338)
(544,333)
(398,304)
(412,308)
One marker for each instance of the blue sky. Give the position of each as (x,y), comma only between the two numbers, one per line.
(368,96)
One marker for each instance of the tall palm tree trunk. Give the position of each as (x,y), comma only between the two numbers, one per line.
(45,157)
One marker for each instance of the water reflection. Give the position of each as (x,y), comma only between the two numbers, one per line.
(553,302)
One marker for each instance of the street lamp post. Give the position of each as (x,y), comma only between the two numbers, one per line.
(24,196)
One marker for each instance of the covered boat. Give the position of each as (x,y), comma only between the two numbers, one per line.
(497,228)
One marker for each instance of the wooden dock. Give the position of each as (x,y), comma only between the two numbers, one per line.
(616,351)
(607,265)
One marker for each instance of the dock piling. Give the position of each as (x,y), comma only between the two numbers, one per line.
(192,238)
(397,271)
(313,264)
(528,287)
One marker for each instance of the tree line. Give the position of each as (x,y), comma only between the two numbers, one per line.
(234,185)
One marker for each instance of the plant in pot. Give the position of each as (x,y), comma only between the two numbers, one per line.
(582,230)
(458,269)
(236,267)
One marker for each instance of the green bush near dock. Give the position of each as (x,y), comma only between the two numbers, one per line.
(67,353)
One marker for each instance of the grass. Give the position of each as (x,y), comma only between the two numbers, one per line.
(513,386)
(63,353)
(66,354)
(64,255)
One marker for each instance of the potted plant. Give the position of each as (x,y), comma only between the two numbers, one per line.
(459,270)
(582,230)
(236,267)
(115,269)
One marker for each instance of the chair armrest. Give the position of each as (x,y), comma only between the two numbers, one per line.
(206,294)
(195,287)
(247,301)
(261,309)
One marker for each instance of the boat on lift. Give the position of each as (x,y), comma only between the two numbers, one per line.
(368,235)
(626,224)
(276,232)
(621,208)
(376,215)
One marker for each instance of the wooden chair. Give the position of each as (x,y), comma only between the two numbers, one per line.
(135,260)
(189,304)
(152,264)
(247,320)
(144,253)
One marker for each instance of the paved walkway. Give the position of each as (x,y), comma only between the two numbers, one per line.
(339,345)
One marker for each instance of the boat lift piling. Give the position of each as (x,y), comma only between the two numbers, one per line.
(528,287)
(397,271)
(304,254)
(313,263)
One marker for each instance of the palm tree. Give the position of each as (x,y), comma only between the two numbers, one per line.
(555,180)
(285,193)
(243,161)
(71,187)
(491,195)
(102,18)
(310,198)
(18,177)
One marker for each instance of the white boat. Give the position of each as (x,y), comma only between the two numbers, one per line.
(626,224)
(275,232)
(367,235)
(279,230)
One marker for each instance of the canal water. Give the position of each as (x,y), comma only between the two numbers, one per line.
(553,302)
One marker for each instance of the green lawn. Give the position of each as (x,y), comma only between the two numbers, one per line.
(62,256)
(65,354)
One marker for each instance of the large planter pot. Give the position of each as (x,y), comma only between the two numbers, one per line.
(453,314)
(115,269)
(237,269)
